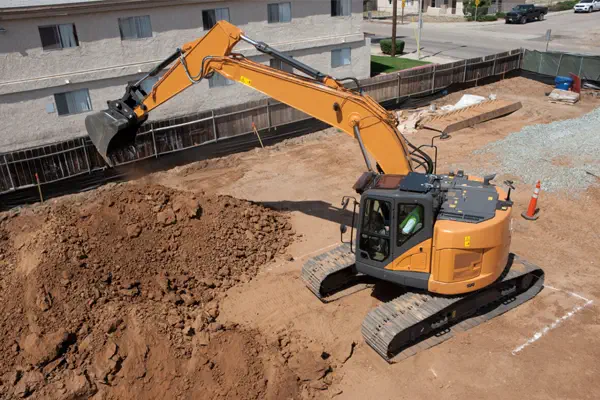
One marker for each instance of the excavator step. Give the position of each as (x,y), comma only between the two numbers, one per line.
(413,322)
(329,272)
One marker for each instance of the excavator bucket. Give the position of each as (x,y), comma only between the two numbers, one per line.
(110,130)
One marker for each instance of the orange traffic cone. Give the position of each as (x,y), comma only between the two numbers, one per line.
(532,212)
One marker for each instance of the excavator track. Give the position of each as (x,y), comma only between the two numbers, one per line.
(400,328)
(330,271)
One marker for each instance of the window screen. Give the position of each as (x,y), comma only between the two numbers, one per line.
(219,80)
(211,17)
(341,57)
(279,12)
(58,36)
(341,8)
(135,27)
(278,64)
(74,102)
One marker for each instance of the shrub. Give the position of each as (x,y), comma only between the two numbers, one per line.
(563,5)
(485,18)
(469,8)
(500,15)
(386,46)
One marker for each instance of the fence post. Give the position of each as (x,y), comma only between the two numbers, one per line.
(580,66)
(399,86)
(559,62)
(12,184)
(153,141)
(269,114)
(433,79)
(494,65)
(519,59)
(465,74)
(214,124)
(87,158)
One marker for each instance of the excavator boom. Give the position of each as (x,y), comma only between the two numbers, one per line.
(316,94)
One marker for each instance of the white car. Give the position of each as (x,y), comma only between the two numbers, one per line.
(587,6)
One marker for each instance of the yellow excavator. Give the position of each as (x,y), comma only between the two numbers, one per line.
(443,239)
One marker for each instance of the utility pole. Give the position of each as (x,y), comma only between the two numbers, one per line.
(394,20)
(420,22)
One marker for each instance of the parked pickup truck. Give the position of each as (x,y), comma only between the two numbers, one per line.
(524,13)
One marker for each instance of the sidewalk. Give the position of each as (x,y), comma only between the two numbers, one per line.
(412,55)
(460,22)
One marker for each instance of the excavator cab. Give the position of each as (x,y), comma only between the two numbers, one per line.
(395,228)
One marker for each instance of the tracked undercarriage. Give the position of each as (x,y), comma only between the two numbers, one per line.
(417,320)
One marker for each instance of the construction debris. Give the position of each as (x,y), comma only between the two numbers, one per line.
(469,116)
(563,96)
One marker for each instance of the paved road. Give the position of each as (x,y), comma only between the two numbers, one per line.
(571,32)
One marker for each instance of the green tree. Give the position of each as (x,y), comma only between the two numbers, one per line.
(469,8)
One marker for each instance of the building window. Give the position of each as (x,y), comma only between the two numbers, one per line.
(341,8)
(211,17)
(146,85)
(279,12)
(219,80)
(340,57)
(74,102)
(280,65)
(135,27)
(58,36)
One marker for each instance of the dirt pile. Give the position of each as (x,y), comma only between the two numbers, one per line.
(115,293)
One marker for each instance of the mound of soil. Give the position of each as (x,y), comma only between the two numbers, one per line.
(115,294)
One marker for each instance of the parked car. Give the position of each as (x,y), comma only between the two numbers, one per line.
(587,6)
(524,13)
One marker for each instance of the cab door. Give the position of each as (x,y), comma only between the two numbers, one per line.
(374,239)
(413,234)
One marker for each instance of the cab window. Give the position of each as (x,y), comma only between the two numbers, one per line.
(410,221)
(375,234)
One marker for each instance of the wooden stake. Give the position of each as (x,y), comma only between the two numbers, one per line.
(256,133)
(37,179)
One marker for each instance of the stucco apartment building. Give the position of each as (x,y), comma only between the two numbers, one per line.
(61,59)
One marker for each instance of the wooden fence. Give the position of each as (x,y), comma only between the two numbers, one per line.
(63,160)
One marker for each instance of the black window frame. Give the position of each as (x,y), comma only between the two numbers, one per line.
(137,37)
(62,103)
(400,218)
(369,236)
(270,13)
(206,14)
(58,38)
(336,8)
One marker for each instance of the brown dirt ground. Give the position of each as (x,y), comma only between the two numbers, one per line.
(267,336)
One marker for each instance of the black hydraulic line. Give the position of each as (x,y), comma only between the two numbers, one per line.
(160,66)
(356,82)
(362,147)
(424,155)
(266,49)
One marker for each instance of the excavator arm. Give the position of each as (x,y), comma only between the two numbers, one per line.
(317,95)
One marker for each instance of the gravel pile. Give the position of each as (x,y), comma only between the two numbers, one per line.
(564,155)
